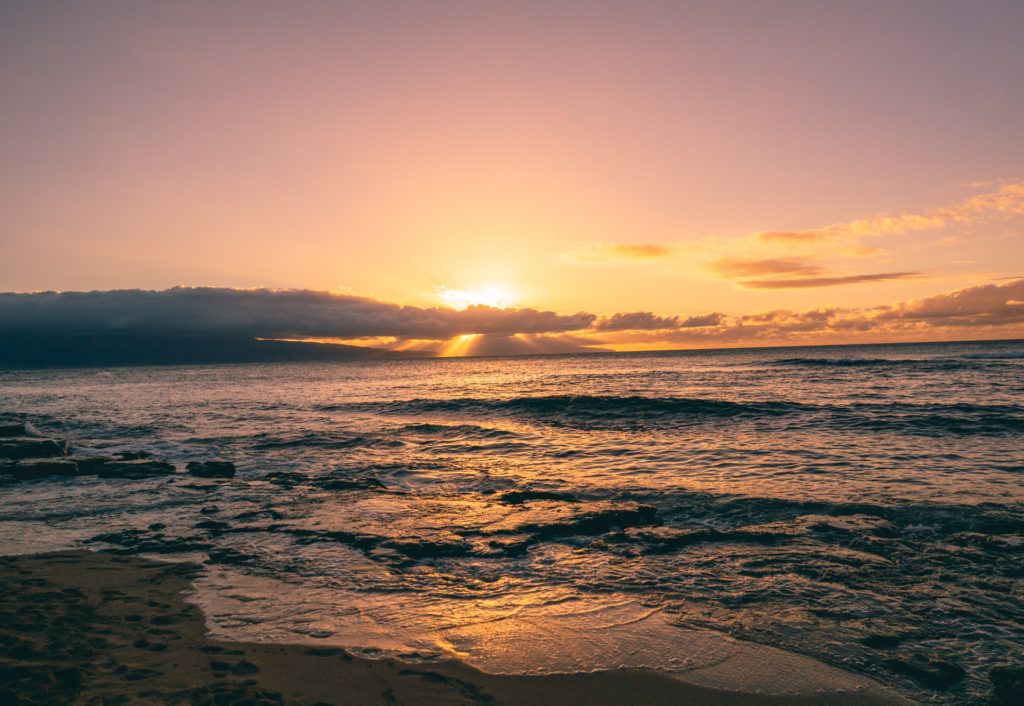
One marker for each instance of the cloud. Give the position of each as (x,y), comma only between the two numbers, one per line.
(713,319)
(862,251)
(989,310)
(982,305)
(783,273)
(791,236)
(648,321)
(636,321)
(764,260)
(262,313)
(619,252)
(1004,202)
(985,310)
(738,267)
(808,282)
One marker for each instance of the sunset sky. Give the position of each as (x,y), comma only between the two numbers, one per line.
(642,174)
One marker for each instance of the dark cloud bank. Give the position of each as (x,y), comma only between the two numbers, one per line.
(215,325)
(184,325)
(200,311)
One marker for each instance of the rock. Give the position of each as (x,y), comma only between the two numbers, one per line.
(226,555)
(662,540)
(881,642)
(32,469)
(593,522)
(149,542)
(1007,685)
(212,469)
(329,652)
(244,667)
(929,671)
(90,465)
(140,468)
(14,448)
(351,484)
(132,455)
(415,548)
(518,497)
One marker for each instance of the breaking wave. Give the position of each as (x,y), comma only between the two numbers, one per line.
(582,408)
(608,411)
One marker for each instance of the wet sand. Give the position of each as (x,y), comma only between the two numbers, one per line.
(83,627)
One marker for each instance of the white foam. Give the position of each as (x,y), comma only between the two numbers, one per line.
(529,631)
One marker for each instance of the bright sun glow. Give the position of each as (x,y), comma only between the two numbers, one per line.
(494,295)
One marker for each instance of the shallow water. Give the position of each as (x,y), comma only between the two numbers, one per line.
(860,505)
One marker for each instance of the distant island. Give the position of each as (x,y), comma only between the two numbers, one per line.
(104,350)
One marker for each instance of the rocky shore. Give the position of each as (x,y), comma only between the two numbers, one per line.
(113,627)
(26,455)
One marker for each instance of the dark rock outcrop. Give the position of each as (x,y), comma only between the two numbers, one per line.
(14,448)
(132,455)
(662,540)
(152,542)
(928,671)
(422,548)
(90,465)
(351,484)
(26,456)
(518,497)
(212,469)
(1008,684)
(595,522)
(230,557)
(32,469)
(140,468)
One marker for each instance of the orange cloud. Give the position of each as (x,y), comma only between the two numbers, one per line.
(987,310)
(1005,202)
(619,252)
(809,282)
(736,267)
(791,236)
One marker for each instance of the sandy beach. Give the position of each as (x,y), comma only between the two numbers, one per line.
(83,627)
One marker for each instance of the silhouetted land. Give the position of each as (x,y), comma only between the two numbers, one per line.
(56,351)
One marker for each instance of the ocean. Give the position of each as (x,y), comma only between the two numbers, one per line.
(859,505)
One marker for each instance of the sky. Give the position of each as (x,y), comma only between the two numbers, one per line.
(633,174)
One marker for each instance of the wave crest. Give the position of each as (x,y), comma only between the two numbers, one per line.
(583,408)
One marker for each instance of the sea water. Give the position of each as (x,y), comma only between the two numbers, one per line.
(860,505)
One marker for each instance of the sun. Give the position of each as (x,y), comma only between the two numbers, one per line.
(494,295)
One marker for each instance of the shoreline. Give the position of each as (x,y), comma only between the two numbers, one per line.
(82,627)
